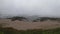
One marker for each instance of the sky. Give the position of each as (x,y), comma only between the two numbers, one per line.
(30,7)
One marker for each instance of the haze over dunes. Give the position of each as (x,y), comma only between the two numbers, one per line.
(24,25)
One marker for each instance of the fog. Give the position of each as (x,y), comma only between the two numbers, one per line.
(50,8)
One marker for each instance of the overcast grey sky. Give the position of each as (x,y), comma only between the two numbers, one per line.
(30,7)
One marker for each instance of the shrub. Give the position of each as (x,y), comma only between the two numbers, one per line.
(17,18)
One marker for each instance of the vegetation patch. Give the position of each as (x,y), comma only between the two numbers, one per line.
(35,31)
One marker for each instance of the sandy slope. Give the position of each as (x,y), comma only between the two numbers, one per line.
(21,25)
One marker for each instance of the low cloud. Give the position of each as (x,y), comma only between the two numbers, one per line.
(50,8)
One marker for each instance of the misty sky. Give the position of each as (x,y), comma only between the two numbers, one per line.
(30,7)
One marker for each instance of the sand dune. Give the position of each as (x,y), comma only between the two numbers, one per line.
(22,25)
